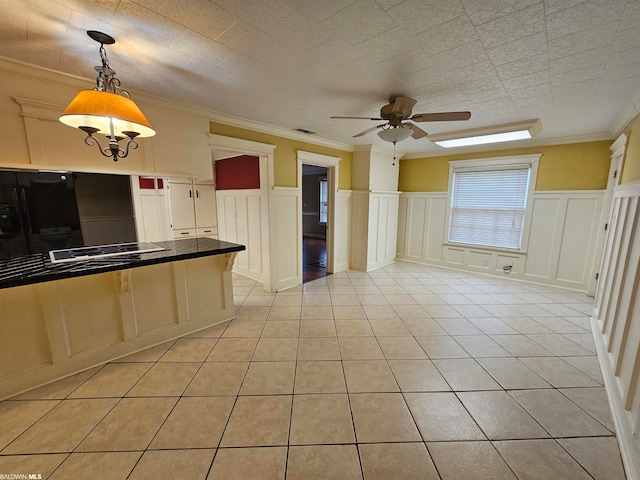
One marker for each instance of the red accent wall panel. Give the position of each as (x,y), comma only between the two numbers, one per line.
(150,183)
(238,173)
(146,183)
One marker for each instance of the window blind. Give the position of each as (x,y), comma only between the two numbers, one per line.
(488,206)
(323,200)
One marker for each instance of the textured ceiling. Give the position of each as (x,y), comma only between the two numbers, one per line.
(292,63)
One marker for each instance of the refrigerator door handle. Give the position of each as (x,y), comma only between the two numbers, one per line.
(18,205)
(26,220)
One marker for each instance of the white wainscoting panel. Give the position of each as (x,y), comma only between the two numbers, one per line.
(383,228)
(421,224)
(561,243)
(341,227)
(286,230)
(239,222)
(563,237)
(538,264)
(374,229)
(616,321)
(359,229)
(578,236)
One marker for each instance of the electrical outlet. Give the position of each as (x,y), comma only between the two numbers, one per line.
(485,262)
(510,264)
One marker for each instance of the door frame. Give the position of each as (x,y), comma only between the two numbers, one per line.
(602,244)
(332,166)
(222,147)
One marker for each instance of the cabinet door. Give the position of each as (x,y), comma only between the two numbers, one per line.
(205,205)
(182,213)
(151,211)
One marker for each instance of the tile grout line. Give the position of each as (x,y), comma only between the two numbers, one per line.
(366,318)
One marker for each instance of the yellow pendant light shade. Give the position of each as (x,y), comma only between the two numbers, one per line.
(101,110)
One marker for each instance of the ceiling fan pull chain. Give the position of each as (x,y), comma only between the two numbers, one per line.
(394,154)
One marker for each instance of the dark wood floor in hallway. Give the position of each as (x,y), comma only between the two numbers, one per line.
(314,258)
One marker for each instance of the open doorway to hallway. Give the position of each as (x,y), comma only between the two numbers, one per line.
(314,222)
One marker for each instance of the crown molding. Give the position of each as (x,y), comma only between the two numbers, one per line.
(279,131)
(52,77)
(47,76)
(628,113)
(55,78)
(494,147)
(15,68)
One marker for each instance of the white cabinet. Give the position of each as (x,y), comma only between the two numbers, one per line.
(183,215)
(151,209)
(205,205)
(193,209)
(184,233)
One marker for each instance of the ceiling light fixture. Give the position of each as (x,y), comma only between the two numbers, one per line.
(494,134)
(104,110)
(395,134)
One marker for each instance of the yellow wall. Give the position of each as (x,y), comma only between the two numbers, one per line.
(631,167)
(285,154)
(576,166)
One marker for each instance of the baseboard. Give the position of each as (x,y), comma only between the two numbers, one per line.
(340,267)
(510,276)
(624,431)
(286,283)
(245,272)
(382,263)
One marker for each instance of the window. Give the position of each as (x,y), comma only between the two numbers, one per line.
(323,200)
(488,201)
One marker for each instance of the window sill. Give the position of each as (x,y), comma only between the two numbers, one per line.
(469,246)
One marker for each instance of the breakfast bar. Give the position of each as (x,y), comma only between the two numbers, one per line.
(59,317)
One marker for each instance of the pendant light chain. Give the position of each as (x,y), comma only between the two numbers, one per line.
(107,81)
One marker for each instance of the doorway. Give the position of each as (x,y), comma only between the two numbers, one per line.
(315,209)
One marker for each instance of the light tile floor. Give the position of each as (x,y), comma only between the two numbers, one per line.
(407,372)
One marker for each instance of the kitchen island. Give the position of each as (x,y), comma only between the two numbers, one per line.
(57,319)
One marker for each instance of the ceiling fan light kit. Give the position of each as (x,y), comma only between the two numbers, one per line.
(506,132)
(395,134)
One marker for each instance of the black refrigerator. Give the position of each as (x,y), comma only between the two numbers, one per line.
(38,213)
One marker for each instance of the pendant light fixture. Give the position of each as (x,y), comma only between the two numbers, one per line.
(106,111)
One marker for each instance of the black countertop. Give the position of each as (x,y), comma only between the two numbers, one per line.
(38,268)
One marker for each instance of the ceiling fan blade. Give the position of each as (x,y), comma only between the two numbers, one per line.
(417,131)
(369,130)
(355,118)
(441,117)
(402,106)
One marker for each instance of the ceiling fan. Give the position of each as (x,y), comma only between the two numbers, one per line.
(398,115)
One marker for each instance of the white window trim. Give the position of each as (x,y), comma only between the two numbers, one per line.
(326,181)
(495,163)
